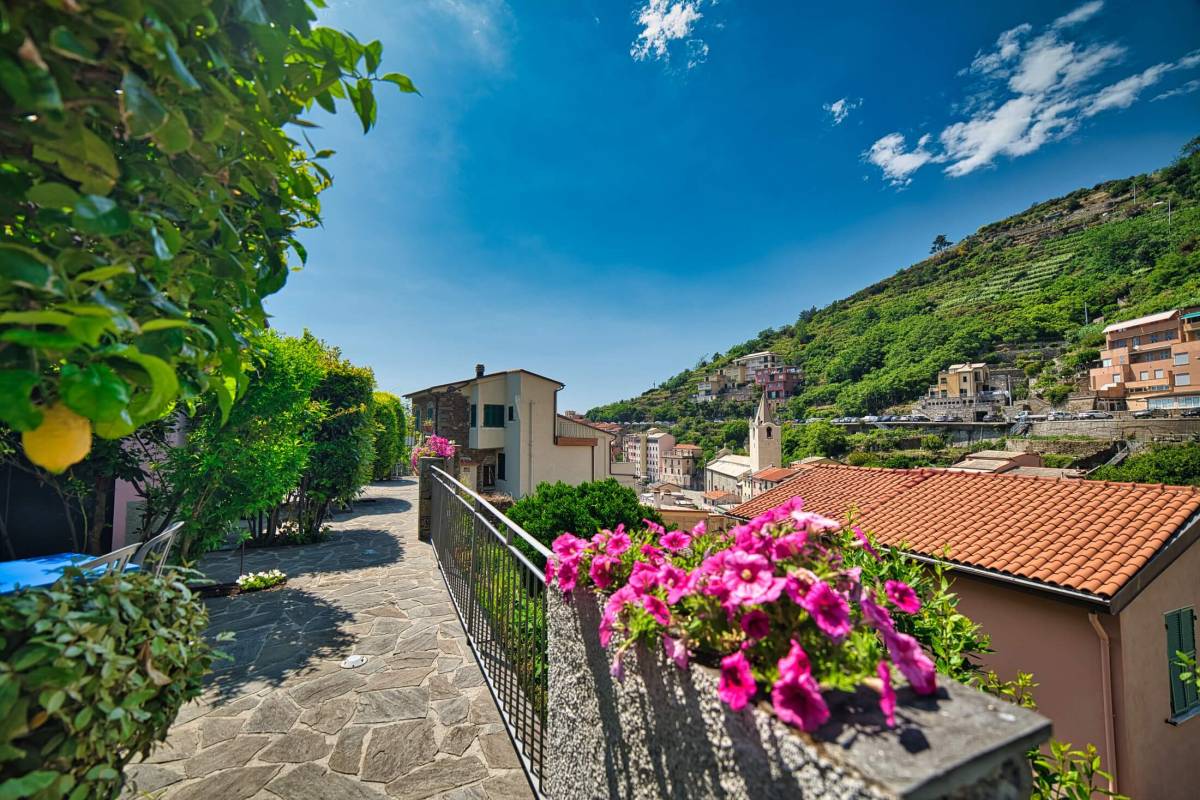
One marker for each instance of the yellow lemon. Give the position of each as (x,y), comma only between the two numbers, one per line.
(63,439)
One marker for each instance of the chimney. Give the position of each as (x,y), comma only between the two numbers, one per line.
(479,370)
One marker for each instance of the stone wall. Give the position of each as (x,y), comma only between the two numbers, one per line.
(663,733)
(1080,448)
(1144,429)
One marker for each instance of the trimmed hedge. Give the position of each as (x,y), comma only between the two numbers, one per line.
(92,673)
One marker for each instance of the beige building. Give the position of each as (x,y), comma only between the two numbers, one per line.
(766,449)
(753,362)
(509,432)
(679,465)
(726,473)
(961,381)
(1150,362)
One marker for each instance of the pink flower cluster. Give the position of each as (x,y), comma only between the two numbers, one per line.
(772,598)
(436,446)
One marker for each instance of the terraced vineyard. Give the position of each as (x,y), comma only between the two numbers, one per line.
(1111,252)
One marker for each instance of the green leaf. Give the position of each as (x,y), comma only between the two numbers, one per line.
(403,81)
(100,215)
(181,71)
(52,195)
(373,52)
(175,136)
(100,274)
(28,784)
(66,44)
(325,101)
(164,324)
(16,407)
(142,112)
(47,340)
(162,251)
(363,99)
(90,329)
(21,266)
(164,385)
(36,318)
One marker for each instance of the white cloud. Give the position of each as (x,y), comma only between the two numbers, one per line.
(663,22)
(1081,14)
(838,110)
(1031,90)
(1178,91)
(898,163)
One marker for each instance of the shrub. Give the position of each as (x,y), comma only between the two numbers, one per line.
(152,187)
(388,418)
(92,673)
(344,451)
(225,472)
(1056,394)
(583,509)
(1177,465)
(1057,460)
(933,441)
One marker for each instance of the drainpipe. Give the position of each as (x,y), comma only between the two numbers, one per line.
(1110,749)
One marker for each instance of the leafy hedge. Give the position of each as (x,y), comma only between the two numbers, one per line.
(388,417)
(582,510)
(92,673)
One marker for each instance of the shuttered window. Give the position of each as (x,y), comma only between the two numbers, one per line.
(493,416)
(1181,636)
(473,417)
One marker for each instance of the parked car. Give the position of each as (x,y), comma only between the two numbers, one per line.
(1094,415)
(1190,412)
(993,418)
(1147,413)
(870,418)
(1060,416)
(919,418)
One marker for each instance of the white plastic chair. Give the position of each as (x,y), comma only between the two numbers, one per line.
(152,554)
(110,562)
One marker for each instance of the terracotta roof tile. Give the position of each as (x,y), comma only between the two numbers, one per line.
(1089,536)
(775,474)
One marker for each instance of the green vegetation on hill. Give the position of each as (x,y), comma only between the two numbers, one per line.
(1113,250)
(1176,465)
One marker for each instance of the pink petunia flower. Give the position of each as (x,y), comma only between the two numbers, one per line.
(876,615)
(750,579)
(643,578)
(887,694)
(799,702)
(829,610)
(568,546)
(736,685)
(653,556)
(654,527)
(798,584)
(678,582)
(794,665)
(676,650)
(699,528)
(567,573)
(813,523)
(788,546)
(657,609)
(756,625)
(911,660)
(864,542)
(617,669)
(618,542)
(675,541)
(601,570)
(902,596)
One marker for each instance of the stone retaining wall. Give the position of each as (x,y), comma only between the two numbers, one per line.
(663,733)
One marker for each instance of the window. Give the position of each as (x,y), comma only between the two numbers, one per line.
(488,475)
(1158,373)
(1143,376)
(493,416)
(1181,359)
(768,431)
(1181,637)
(512,411)
(473,420)
(1116,377)
(1107,362)
(1183,379)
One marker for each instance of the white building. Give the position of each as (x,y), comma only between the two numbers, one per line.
(514,436)
(658,444)
(753,362)
(726,472)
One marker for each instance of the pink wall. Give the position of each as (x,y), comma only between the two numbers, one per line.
(1051,639)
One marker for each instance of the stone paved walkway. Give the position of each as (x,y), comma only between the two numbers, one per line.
(284,720)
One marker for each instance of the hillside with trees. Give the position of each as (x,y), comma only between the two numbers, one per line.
(1057,272)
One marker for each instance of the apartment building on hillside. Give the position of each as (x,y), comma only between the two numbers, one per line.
(778,384)
(965,390)
(509,432)
(679,465)
(1150,362)
(658,444)
(764,359)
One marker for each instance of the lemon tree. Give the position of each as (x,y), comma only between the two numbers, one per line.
(153,175)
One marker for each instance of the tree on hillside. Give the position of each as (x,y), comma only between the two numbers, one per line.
(940,243)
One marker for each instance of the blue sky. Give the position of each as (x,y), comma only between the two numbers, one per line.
(603,192)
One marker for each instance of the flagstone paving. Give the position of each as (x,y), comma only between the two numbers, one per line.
(282,719)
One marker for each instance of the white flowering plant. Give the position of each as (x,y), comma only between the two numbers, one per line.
(257,581)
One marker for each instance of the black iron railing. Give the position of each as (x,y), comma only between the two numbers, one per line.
(491,568)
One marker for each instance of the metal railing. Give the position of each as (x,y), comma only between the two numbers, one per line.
(491,568)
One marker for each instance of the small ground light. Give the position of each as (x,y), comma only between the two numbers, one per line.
(351,662)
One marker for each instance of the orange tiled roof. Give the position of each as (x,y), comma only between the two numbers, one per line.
(775,474)
(687,447)
(1090,536)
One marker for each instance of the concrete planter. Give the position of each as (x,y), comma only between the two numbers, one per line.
(662,732)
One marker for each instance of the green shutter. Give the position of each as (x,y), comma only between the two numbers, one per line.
(1181,637)
(473,407)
